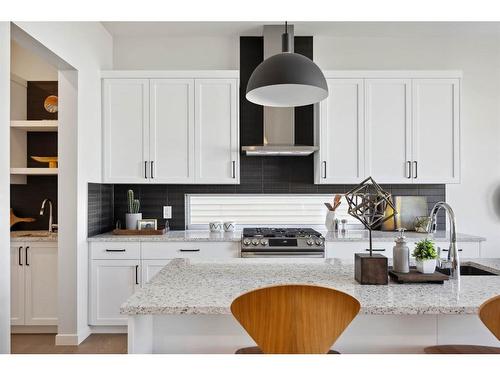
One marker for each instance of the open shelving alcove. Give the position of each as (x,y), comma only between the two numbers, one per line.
(19,129)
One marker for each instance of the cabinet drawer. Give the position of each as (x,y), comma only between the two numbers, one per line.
(466,249)
(200,250)
(115,250)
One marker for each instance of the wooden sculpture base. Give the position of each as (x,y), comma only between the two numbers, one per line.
(370,270)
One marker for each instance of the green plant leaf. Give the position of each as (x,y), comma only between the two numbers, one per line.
(424,250)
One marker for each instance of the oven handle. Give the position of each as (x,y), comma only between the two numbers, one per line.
(253,254)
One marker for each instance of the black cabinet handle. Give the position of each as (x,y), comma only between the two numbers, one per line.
(189,250)
(26,255)
(449,250)
(19,253)
(409,169)
(416,169)
(152,169)
(115,250)
(234,169)
(146,169)
(137,275)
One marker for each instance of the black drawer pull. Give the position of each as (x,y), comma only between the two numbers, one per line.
(448,249)
(137,275)
(115,250)
(189,250)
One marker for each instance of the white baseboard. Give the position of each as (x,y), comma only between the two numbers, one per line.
(64,339)
(108,329)
(32,329)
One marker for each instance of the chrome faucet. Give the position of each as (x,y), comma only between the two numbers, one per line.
(42,209)
(453,261)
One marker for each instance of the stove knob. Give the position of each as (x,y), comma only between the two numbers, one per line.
(263,242)
(246,242)
(310,242)
(319,242)
(255,242)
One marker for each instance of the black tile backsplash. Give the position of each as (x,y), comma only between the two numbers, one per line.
(258,175)
(100,208)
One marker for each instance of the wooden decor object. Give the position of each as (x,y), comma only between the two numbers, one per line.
(14,219)
(136,232)
(295,319)
(416,277)
(370,269)
(489,313)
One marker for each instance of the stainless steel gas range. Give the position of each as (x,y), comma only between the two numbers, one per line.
(282,243)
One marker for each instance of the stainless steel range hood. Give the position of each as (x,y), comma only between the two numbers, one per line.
(279,123)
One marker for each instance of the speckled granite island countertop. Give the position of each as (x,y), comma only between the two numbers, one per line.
(197,287)
(349,236)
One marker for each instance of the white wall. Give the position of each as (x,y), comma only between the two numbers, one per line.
(183,53)
(475,199)
(29,66)
(87,47)
(4,188)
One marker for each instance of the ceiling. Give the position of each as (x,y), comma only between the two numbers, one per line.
(340,29)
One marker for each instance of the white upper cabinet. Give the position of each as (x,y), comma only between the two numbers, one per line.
(388,129)
(126,130)
(436,130)
(171,127)
(216,137)
(341,133)
(399,127)
(172,130)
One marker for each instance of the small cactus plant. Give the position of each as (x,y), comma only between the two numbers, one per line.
(133,204)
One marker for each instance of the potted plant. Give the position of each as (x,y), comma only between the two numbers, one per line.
(133,215)
(426,256)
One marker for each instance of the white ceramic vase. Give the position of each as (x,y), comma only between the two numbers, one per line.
(330,221)
(131,220)
(426,265)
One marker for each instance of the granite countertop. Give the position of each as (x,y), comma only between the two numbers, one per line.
(32,236)
(202,287)
(349,236)
(379,236)
(173,235)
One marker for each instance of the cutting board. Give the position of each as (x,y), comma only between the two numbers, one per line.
(14,219)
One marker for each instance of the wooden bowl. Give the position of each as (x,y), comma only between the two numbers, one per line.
(52,160)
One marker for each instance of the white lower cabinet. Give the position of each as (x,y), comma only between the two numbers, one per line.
(346,250)
(150,267)
(119,269)
(111,283)
(34,284)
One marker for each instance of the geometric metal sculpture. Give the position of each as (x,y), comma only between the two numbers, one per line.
(367,203)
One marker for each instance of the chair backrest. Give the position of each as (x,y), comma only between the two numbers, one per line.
(489,313)
(295,319)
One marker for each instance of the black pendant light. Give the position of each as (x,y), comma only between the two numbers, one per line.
(286,80)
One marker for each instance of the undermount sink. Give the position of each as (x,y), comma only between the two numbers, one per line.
(469,270)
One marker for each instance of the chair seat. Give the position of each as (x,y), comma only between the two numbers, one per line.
(256,350)
(461,349)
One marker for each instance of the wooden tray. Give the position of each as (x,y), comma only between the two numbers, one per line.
(136,232)
(416,277)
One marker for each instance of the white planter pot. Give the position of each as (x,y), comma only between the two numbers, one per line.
(131,220)
(426,266)
(330,221)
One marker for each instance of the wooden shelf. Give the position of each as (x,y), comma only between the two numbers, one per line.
(35,125)
(34,171)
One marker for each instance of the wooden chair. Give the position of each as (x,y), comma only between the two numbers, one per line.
(294,319)
(489,313)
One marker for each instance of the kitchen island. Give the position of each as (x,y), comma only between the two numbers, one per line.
(186,306)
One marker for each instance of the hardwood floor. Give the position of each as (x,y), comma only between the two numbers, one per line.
(45,344)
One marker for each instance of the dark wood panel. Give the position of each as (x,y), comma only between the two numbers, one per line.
(37,91)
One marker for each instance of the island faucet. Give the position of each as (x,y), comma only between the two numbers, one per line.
(42,209)
(453,261)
